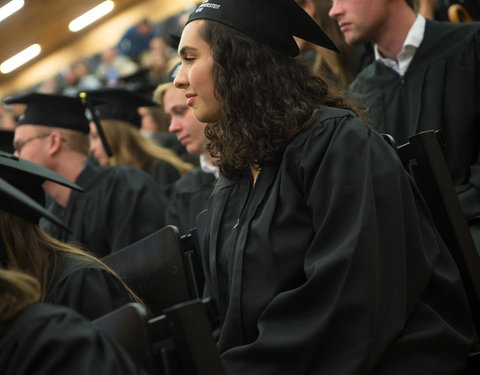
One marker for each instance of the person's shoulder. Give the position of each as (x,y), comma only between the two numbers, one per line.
(39,315)
(164,166)
(127,173)
(95,178)
(41,311)
(193,181)
(74,261)
(369,77)
(68,264)
(329,118)
(459,30)
(326,113)
(330,121)
(45,338)
(449,38)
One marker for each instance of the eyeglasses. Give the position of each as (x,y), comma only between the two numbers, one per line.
(20,143)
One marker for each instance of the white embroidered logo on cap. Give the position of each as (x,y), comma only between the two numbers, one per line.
(206,4)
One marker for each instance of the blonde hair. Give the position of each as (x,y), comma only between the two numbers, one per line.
(32,251)
(77,141)
(17,291)
(326,58)
(130,147)
(159,92)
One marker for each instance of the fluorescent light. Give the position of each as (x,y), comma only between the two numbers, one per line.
(8,9)
(91,16)
(20,58)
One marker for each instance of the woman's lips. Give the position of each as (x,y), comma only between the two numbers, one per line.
(190,99)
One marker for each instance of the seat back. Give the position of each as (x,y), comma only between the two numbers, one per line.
(183,340)
(128,326)
(201,226)
(154,269)
(423,158)
(192,248)
(192,263)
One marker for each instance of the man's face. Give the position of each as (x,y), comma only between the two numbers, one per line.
(361,21)
(189,131)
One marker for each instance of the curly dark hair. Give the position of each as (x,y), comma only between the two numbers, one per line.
(265,98)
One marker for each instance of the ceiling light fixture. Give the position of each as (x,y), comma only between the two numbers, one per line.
(8,9)
(91,16)
(20,58)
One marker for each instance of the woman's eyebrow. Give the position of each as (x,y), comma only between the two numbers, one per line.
(185,49)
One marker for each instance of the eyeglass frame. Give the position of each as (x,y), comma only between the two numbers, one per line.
(19,144)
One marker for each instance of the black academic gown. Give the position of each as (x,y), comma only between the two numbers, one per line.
(440,90)
(164,173)
(44,339)
(188,198)
(331,265)
(85,286)
(119,205)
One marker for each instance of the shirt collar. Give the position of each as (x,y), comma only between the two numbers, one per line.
(208,167)
(414,37)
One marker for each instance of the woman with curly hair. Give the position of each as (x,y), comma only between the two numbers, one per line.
(321,256)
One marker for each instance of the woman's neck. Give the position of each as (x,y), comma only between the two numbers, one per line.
(255,173)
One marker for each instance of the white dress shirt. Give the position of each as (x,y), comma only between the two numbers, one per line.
(412,42)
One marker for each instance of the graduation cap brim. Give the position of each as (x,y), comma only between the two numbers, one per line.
(271,22)
(6,140)
(51,110)
(119,104)
(140,76)
(172,74)
(173,40)
(19,165)
(23,199)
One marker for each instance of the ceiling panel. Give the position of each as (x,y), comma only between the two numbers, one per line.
(46,22)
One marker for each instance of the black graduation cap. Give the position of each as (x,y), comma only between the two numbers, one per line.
(6,140)
(52,110)
(119,104)
(140,82)
(173,40)
(21,191)
(272,22)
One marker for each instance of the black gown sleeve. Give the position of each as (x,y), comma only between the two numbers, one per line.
(164,174)
(45,339)
(89,289)
(134,209)
(361,280)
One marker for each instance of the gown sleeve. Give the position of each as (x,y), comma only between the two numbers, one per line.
(91,291)
(134,209)
(373,292)
(45,339)
(164,174)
